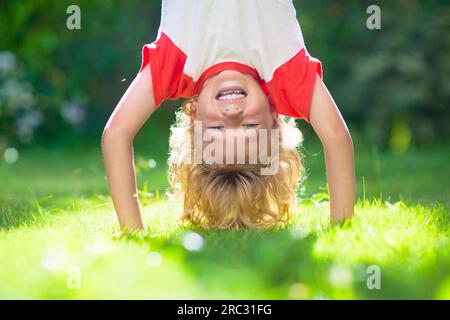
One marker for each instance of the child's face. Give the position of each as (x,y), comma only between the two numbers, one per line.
(248,110)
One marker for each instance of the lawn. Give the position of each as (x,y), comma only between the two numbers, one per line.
(59,235)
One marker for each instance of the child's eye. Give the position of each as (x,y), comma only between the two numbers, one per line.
(216,127)
(250,125)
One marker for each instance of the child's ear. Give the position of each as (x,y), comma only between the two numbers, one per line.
(275,115)
(193,109)
(273,111)
(275,118)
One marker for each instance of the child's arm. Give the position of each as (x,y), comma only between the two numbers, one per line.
(133,109)
(332,131)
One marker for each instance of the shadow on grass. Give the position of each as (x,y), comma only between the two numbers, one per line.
(285,264)
(275,259)
(249,264)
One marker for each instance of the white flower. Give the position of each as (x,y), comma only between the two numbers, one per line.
(192,241)
(7,62)
(73,112)
(17,95)
(27,123)
(152,163)
(11,155)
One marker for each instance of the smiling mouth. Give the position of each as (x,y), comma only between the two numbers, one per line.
(231,94)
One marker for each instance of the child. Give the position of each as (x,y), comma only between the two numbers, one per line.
(243,65)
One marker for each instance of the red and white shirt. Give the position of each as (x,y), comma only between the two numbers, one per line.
(199,38)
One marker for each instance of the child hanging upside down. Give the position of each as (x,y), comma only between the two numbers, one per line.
(246,75)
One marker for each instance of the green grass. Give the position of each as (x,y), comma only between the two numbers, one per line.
(59,235)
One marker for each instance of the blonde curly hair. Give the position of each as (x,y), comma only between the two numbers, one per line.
(233,196)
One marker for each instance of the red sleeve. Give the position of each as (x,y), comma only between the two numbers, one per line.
(167,64)
(292,85)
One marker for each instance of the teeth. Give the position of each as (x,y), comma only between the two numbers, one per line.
(231,96)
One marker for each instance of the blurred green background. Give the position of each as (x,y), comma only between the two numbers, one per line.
(59,86)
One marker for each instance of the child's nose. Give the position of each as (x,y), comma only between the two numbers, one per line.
(232,111)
